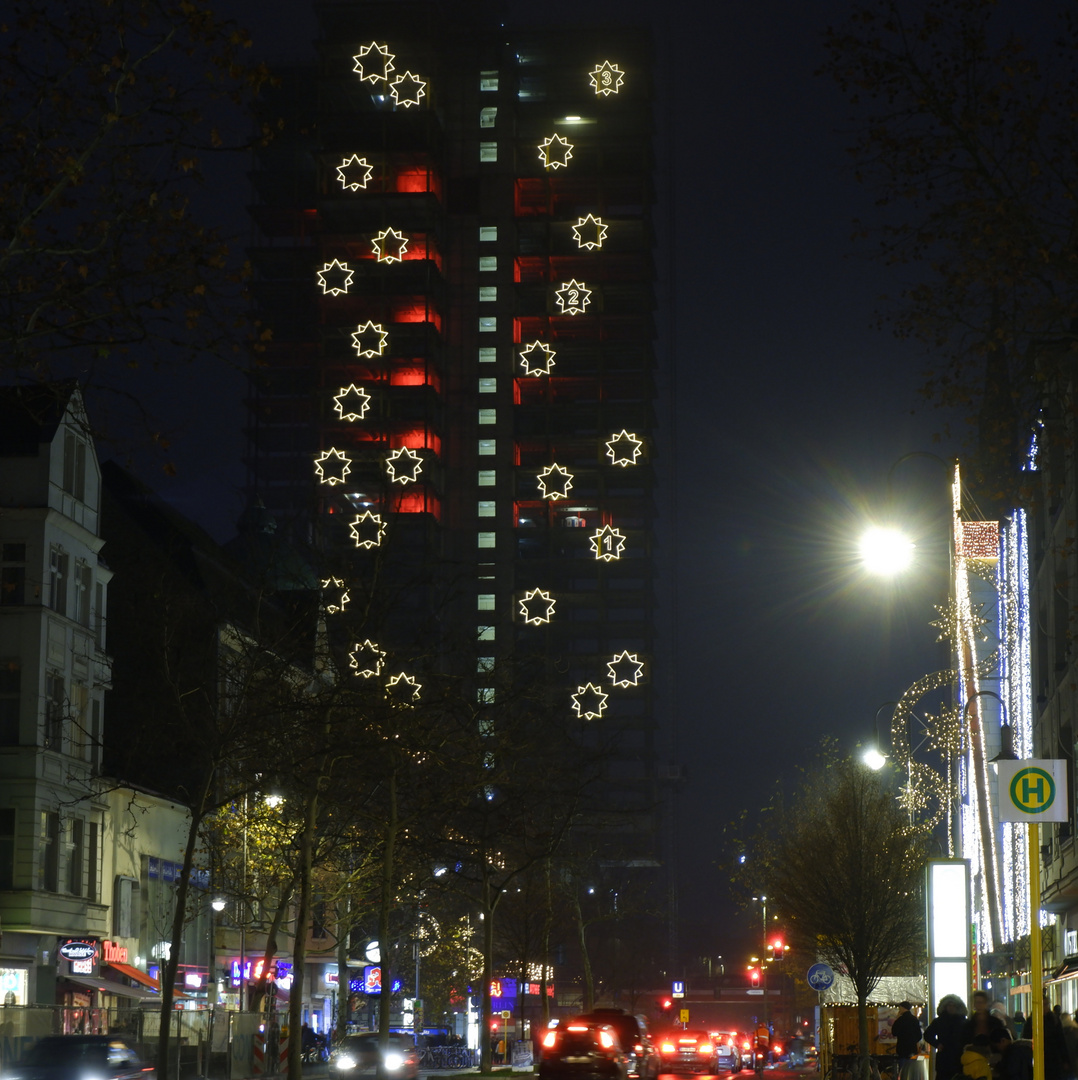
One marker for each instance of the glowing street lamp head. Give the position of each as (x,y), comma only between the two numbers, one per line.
(886,551)
(874,759)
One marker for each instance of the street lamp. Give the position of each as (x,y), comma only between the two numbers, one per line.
(875,757)
(886,551)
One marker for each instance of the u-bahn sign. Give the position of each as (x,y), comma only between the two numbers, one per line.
(1033,790)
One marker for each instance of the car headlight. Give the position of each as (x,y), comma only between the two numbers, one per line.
(394,1061)
(345,1062)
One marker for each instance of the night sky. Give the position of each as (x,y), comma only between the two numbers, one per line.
(790,409)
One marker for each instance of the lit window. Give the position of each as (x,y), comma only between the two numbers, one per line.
(488,416)
(488,116)
(488,262)
(487,447)
(488,293)
(486,478)
(485,601)
(488,80)
(485,663)
(488,323)
(486,695)
(485,633)
(488,386)
(488,151)
(485,540)
(488,232)
(488,355)
(486,508)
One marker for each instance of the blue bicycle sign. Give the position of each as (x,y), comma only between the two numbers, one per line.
(820,976)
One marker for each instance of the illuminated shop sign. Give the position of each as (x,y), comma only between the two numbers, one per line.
(78,948)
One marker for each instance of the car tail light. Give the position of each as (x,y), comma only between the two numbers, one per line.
(550,1038)
(777,1048)
(638,1049)
(669,1048)
(606,1040)
(705,1048)
(746,1045)
(577,1027)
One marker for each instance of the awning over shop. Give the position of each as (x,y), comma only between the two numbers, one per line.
(890,990)
(141,977)
(1067,970)
(105,986)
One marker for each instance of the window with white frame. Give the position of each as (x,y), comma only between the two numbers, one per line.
(488,416)
(55,703)
(488,80)
(485,601)
(485,540)
(486,508)
(488,151)
(488,116)
(83,588)
(487,263)
(488,294)
(488,232)
(488,324)
(485,633)
(58,564)
(488,355)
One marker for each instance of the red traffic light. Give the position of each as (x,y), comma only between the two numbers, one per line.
(666,1003)
(754,976)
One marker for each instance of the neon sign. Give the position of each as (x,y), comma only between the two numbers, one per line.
(351,398)
(407,90)
(540,364)
(369,339)
(367,659)
(335,277)
(554,151)
(368,530)
(625,669)
(335,460)
(606,79)
(555,482)
(589,232)
(537,607)
(354,172)
(341,599)
(572,298)
(389,246)
(607,543)
(624,448)
(404,466)
(589,701)
(373,62)
(403,688)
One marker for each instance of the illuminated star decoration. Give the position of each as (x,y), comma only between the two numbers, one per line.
(407,89)
(351,402)
(367,659)
(589,701)
(369,339)
(607,543)
(554,151)
(537,607)
(342,597)
(623,449)
(537,358)
(337,461)
(389,246)
(606,78)
(589,232)
(625,669)
(573,297)
(368,529)
(404,466)
(335,277)
(555,482)
(374,62)
(403,689)
(354,172)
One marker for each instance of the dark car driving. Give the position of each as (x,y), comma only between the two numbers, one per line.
(357,1055)
(583,1050)
(686,1052)
(635,1039)
(71,1057)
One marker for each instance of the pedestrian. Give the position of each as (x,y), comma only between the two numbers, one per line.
(1055,1046)
(983,1028)
(906,1030)
(944,1035)
(1070,1038)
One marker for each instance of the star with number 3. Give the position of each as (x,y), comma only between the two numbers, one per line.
(606,79)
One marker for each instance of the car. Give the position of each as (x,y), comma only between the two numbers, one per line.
(583,1050)
(635,1039)
(686,1052)
(62,1057)
(357,1055)
(727,1050)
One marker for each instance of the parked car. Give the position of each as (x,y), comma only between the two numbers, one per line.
(357,1055)
(686,1052)
(727,1051)
(583,1050)
(71,1057)
(635,1039)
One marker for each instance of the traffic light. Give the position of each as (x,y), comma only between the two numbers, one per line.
(777,948)
(754,976)
(666,1004)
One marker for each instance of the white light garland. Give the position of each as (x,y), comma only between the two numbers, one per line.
(589,232)
(354,172)
(368,529)
(624,448)
(404,466)
(607,543)
(555,152)
(537,607)
(589,701)
(625,669)
(403,688)
(555,482)
(572,297)
(606,79)
(367,659)
(335,277)
(407,90)
(341,589)
(537,358)
(389,246)
(332,459)
(369,339)
(373,62)
(351,403)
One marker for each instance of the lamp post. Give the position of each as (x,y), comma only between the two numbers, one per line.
(762,900)
(217,905)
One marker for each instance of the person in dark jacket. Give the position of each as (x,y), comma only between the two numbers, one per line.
(944,1035)
(984,1028)
(907,1032)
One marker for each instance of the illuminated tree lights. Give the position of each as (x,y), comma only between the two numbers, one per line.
(554,151)
(351,402)
(332,466)
(403,689)
(606,79)
(537,358)
(555,482)
(589,701)
(354,173)
(369,339)
(589,232)
(572,298)
(389,246)
(407,90)
(373,62)
(624,448)
(607,543)
(367,660)
(340,594)
(625,669)
(404,466)
(335,277)
(537,607)
(368,529)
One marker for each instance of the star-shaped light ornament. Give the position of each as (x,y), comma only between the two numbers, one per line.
(351,403)
(589,701)
(606,79)
(555,482)
(537,358)
(407,90)
(624,448)
(537,607)
(354,172)
(572,297)
(403,689)
(332,466)
(625,669)
(369,339)
(589,232)
(373,62)
(554,151)
(338,590)
(389,246)
(368,530)
(607,544)
(335,277)
(404,466)
(367,660)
